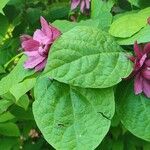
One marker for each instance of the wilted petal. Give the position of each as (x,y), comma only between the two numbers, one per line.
(146,87)
(74,4)
(25,38)
(137,50)
(46,28)
(33,61)
(30,45)
(138,84)
(41,66)
(147,48)
(82,6)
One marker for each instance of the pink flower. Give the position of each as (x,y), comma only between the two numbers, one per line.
(37,47)
(141,69)
(84,4)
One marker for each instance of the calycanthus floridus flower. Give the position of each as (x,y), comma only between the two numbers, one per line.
(84,4)
(37,47)
(141,70)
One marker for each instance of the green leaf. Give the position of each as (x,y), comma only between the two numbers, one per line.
(2,5)
(3,25)
(58,10)
(87,57)
(134,2)
(20,89)
(8,50)
(101,10)
(142,36)
(140,3)
(16,76)
(72,118)
(6,117)
(9,129)
(8,143)
(136,21)
(23,101)
(4,104)
(64,25)
(134,111)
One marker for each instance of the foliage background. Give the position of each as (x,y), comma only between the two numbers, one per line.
(16,118)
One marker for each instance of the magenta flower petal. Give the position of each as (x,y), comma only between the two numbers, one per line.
(146,73)
(41,37)
(87,3)
(41,66)
(31,53)
(82,6)
(147,62)
(141,70)
(142,60)
(138,84)
(74,4)
(147,48)
(56,33)
(33,61)
(46,29)
(25,37)
(146,87)
(30,45)
(37,48)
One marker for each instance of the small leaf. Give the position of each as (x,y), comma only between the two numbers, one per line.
(101,10)
(72,118)
(3,25)
(23,101)
(9,129)
(136,21)
(6,117)
(20,89)
(87,57)
(4,104)
(16,76)
(134,110)
(142,36)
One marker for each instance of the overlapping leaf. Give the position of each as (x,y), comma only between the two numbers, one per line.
(87,57)
(72,118)
(134,111)
(129,24)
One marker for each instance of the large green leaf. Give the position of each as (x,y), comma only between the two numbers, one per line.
(16,76)
(72,118)
(134,111)
(142,36)
(87,57)
(129,24)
